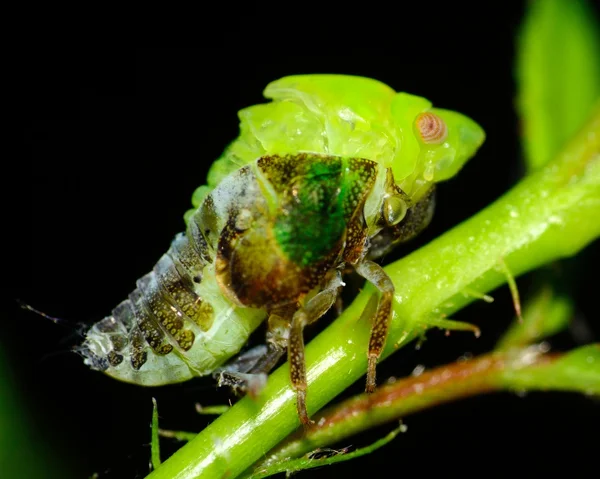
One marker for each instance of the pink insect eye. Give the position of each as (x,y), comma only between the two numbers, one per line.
(432,128)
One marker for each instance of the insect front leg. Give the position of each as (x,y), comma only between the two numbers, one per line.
(375,274)
(309,313)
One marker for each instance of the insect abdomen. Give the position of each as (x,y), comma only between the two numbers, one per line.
(176,324)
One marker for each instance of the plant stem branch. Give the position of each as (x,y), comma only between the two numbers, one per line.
(487,373)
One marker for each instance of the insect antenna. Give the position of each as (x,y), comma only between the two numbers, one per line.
(53,354)
(77,329)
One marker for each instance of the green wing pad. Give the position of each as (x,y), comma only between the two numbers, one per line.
(318,197)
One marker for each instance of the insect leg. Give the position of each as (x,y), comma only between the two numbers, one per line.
(238,374)
(245,362)
(278,331)
(374,273)
(242,382)
(248,372)
(309,313)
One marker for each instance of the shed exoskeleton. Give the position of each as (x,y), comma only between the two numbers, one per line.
(332,174)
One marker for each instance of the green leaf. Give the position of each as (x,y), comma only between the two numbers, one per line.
(558,73)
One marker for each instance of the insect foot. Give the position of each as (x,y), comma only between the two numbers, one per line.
(241,383)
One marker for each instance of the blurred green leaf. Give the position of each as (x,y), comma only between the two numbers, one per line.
(22,454)
(546,313)
(558,73)
(577,371)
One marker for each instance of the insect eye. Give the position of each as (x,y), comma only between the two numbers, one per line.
(432,129)
(394,209)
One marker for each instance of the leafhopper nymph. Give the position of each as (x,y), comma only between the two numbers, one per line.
(331,174)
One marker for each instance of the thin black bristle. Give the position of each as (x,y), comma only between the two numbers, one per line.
(78,328)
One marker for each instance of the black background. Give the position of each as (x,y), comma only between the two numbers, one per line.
(115,142)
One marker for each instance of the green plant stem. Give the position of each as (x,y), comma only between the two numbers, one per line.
(549,215)
(490,372)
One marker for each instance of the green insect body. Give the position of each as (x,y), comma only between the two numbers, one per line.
(331,174)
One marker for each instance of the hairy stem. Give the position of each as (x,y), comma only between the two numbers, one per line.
(549,215)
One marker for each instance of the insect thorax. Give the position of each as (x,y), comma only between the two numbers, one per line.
(263,238)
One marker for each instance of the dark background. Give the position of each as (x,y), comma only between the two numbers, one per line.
(114,144)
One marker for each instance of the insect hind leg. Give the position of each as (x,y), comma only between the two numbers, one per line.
(285,331)
(312,310)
